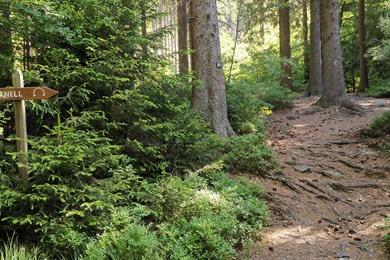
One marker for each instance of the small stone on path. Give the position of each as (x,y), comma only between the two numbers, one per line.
(303,168)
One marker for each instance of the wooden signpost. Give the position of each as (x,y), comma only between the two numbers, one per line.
(18,93)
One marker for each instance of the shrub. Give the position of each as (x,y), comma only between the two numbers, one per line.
(65,202)
(205,215)
(380,53)
(380,126)
(386,238)
(379,89)
(216,216)
(248,153)
(209,236)
(134,242)
(246,100)
(256,87)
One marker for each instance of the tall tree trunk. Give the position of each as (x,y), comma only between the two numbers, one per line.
(315,69)
(333,75)
(362,47)
(144,31)
(209,97)
(6,53)
(237,29)
(284,44)
(306,52)
(182,21)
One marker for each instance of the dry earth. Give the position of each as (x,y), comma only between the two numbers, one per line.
(334,192)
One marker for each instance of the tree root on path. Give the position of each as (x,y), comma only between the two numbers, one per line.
(324,195)
(283,181)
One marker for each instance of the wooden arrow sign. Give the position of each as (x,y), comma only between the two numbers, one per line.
(18,93)
(30,93)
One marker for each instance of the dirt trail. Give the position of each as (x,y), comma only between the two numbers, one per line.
(334,192)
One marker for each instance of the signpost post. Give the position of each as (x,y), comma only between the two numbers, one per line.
(18,93)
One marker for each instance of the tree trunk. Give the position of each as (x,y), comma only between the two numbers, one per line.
(362,47)
(6,53)
(209,96)
(315,69)
(285,47)
(182,21)
(333,75)
(237,29)
(144,31)
(306,55)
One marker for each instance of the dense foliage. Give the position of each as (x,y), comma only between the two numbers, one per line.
(119,164)
(387,237)
(380,128)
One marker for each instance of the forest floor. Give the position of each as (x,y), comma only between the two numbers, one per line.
(334,191)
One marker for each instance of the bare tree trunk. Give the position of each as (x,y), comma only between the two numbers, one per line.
(333,75)
(182,20)
(315,69)
(6,52)
(306,52)
(362,47)
(209,96)
(285,47)
(235,41)
(144,31)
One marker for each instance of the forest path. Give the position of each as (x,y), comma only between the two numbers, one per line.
(334,193)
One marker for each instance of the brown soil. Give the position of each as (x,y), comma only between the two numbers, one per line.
(334,191)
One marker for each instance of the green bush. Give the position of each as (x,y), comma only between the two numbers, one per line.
(248,153)
(379,89)
(134,242)
(205,215)
(380,126)
(246,100)
(65,201)
(215,216)
(380,53)
(386,238)
(156,125)
(256,87)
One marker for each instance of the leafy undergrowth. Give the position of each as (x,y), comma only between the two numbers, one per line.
(386,239)
(379,128)
(12,250)
(203,216)
(379,89)
(85,197)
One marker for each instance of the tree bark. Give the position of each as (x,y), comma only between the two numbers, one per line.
(284,44)
(144,31)
(315,68)
(333,76)
(6,51)
(362,47)
(306,53)
(209,96)
(182,21)
(237,28)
